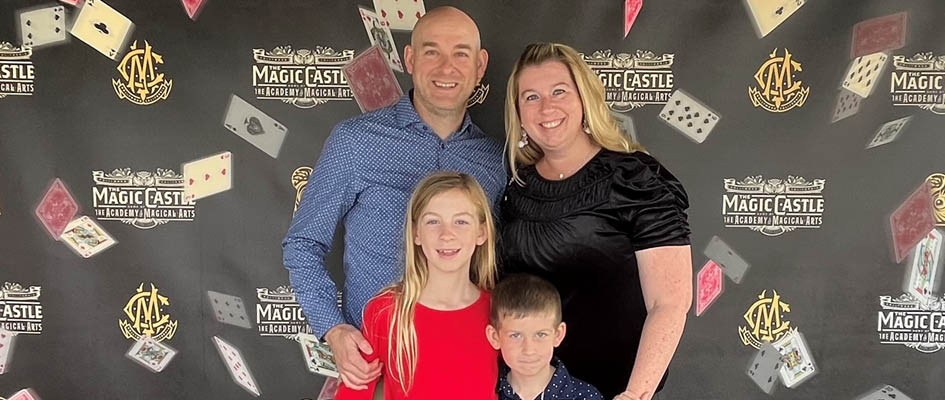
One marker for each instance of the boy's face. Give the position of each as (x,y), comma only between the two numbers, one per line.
(527,343)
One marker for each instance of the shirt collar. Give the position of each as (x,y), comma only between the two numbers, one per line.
(559,382)
(409,119)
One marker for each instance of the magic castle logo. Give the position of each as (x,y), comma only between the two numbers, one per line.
(20,309)
(278,313)
(773,206)
(919,81)
(304,78)
(915,322)
(143,199)
(142,82)
(16,70)
(147,314)
(779,89)
(765,320)
(633,80)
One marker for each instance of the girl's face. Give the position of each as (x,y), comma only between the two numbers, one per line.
(448,230)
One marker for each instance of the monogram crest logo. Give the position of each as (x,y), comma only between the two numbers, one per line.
(937,182)
(141,83)
(147,315)
(779,89)
(765,320)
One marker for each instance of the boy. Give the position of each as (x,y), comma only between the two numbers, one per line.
(525,325)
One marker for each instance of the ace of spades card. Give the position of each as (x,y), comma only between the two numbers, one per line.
(56,209)
(884,392)
(254,126)
(874,35)
(7,339)
(151,354)
(864,72)
(42,26)
(236,366)
(208,176)
(371,80)
(380,35)
(924,268)
(317,355)
(103,28)
(765,368)
(848,104)
(797,363)
(912,221)
(229,309)
(401,15)
(689,116)
(888,132)
(769,14)
(710,284)
(86,237)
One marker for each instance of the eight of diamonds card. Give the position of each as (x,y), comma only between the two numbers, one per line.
(6,350)
(208,176)
(710,284)
(879,34)
(912,221)
(86,237)
(925,266)
(318,357)
(151,354)
(236,365)
(371,80)
(798,364)
(56,209)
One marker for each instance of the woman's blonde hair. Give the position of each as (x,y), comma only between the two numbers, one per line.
(402,334)
(603,126)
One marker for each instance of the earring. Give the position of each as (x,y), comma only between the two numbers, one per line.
(587,129)
(524,140)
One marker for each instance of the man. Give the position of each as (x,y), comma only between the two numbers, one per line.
(366,173)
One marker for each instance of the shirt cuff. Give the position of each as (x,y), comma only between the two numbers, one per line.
(330,319)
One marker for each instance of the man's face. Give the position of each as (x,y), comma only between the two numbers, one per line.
(446,63)
(527,343)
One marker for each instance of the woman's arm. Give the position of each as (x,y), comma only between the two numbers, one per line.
(666,280)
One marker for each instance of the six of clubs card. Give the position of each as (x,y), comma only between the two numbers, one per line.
(254,126)
(208,176)
(86,237)
(103,28)
(236,365)
(151,354)
(380,35)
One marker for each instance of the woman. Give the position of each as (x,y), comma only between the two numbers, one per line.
(602,220)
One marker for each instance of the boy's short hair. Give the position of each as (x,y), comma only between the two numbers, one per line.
(521,295)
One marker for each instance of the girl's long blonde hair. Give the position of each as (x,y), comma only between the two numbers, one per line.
(603,126)
(402,334)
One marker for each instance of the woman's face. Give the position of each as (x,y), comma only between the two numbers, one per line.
(549,106)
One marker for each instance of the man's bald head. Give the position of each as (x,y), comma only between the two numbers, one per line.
(445,17)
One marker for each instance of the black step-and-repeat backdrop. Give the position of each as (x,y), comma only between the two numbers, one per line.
(829,121)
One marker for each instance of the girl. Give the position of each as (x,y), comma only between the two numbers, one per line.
(428,329)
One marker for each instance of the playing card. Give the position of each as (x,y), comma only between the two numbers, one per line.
(329,389)
(103,28)
(689,116)
(193,7)
(56,209)
(879,34)
(400,15)
(709,286)
(317,355)
(207,176)
(42,26)
(863,73)
(768,14)
(86,237)
(70,2)
(371,80)
(732,264)
(236,365)
(884,392)
(924,268)
(254,126)
(6,350)
(229,309)
(765,368)
(797,363)
(379,34)
(848,103)
(151,354)
(625,122)
(888,132)
(631,8)
(24,394)
(912,221)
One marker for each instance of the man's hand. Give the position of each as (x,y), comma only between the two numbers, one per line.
(345,342)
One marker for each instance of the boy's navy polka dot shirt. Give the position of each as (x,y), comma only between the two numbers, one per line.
(561,387)
(367,170)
